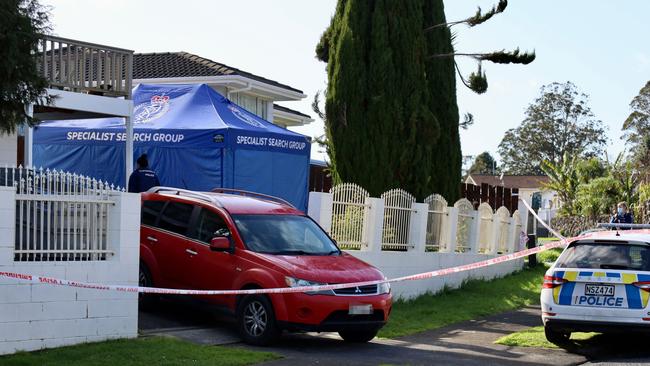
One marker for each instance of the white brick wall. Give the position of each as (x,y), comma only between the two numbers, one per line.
(398,264)
(37,316)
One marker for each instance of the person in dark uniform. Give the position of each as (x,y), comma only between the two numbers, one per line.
(622,216)
(142,178)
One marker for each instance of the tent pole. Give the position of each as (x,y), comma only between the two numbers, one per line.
(129,147)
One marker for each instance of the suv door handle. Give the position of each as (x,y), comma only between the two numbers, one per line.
(152,239)
(191,251)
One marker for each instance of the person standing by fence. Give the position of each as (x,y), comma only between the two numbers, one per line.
(142,178)
(622,216)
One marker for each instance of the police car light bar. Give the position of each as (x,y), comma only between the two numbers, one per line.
(622,226)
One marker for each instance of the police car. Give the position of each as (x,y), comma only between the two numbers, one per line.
(600,283)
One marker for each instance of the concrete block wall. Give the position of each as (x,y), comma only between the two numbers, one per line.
(38,316)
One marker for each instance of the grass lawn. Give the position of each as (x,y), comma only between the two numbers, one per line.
(473,300)
(141,351)
(534,337)
(549,256)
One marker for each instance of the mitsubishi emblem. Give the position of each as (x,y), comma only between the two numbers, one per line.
(357,290)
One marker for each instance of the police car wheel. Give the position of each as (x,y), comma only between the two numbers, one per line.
(556,337)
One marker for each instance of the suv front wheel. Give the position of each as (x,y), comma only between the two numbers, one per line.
(256,320)
(358,336)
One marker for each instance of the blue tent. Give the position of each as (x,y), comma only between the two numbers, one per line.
(194,138)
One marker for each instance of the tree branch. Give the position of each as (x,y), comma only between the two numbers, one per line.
(477,19)
(498,57)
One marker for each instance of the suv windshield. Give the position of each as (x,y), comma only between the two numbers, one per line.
(284,234)
(606,256)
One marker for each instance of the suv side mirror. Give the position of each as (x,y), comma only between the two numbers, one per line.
(220,244)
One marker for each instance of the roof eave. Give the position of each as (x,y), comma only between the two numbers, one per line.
(292,118)
(259,88)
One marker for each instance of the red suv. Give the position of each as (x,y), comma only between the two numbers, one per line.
(230,239)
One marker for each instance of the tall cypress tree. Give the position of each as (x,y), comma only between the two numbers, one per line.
(391,116)
(441,80)
(379,123)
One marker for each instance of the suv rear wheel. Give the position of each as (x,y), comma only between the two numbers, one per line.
(358,336)
(556,337)
(256,320)
(146,302)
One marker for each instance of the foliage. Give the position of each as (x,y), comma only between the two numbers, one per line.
(20,82)
(590,168)
(483,164)
(383,105)
(441,85)
(534,337)
(563,179)
(558,122)
(477,81)
(428,312)
(637,125)
(599,196)
(623,172)
(142,351)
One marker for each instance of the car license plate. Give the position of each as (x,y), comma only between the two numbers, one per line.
(593,289)
(360,309)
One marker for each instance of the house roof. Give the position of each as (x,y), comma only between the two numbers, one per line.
(509,181)
(289,110)
(184,64)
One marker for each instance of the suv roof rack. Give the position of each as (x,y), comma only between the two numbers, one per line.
(186,193)
(252,194)
(627,226)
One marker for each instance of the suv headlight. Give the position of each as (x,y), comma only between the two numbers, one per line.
(297,282)
(384,288)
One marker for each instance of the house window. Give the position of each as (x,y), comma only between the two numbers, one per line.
(255,105)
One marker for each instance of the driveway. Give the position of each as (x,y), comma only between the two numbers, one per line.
(465,343)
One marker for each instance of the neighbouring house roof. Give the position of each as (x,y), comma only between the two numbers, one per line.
(508,181)
(183,64)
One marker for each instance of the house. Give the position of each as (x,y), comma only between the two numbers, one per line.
(67,228)
(528,185)
(255,93)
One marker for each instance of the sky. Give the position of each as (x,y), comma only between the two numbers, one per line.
(601,46)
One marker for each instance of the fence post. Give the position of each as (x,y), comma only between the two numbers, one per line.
(451,230)
(474,232)
(320,209)
(513,236)
(418,227)
(7,225)
(374,224)
(496,232)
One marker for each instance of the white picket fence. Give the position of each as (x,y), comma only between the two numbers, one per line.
(396,222)
(59,216)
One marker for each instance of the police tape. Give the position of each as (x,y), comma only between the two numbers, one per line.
(281,290)
(286,290)
(550,229)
